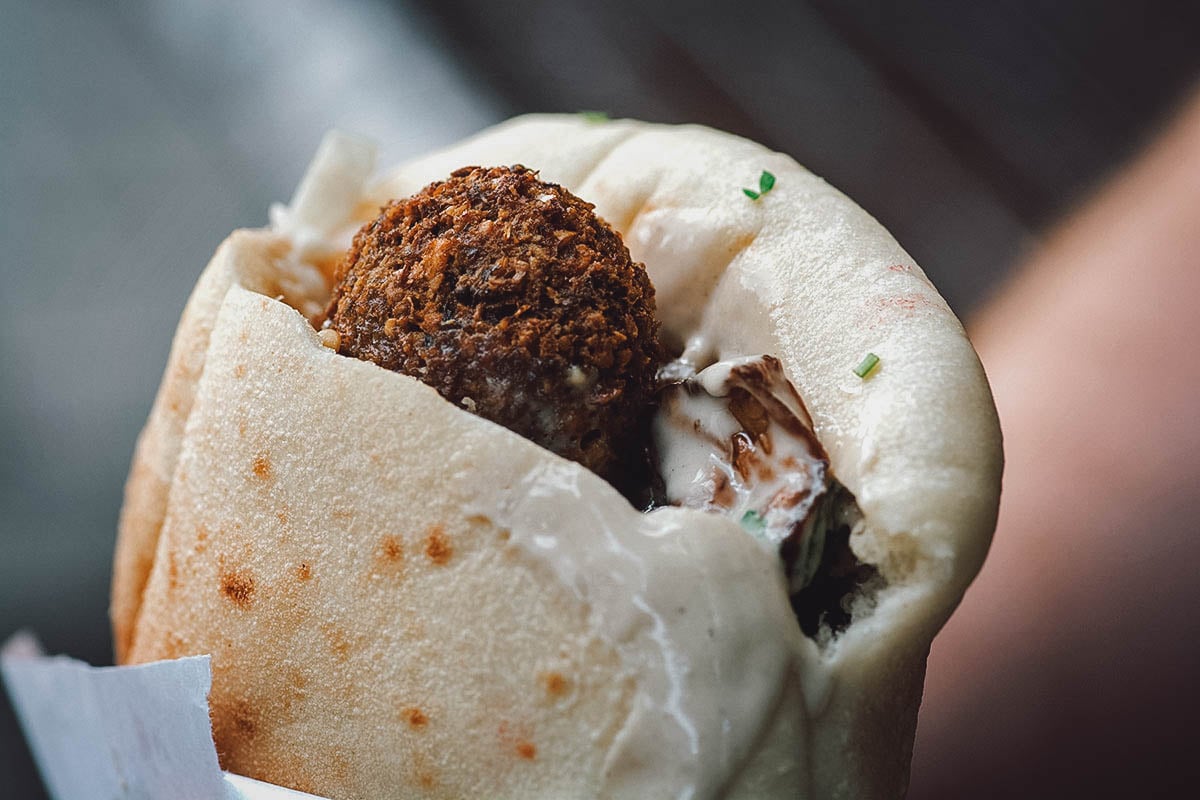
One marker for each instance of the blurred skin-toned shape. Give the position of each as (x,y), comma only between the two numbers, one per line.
(1069,667)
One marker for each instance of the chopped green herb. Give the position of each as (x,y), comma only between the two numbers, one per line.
(594,116)
(753,521)
(766,182)
(867,365)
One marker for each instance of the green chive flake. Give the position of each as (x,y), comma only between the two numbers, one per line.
(867,365)
(766,182)
(594,116)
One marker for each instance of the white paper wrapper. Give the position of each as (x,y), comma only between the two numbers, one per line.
(100,733)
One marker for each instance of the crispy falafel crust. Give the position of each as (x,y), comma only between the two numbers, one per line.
(513,299)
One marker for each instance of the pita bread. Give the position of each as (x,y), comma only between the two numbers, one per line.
(403,600)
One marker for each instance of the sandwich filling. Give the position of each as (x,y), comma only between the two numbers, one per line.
(514,300)
(735,438)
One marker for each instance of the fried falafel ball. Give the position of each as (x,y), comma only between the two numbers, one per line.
(514,300)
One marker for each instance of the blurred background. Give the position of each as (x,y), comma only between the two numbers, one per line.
(134,136)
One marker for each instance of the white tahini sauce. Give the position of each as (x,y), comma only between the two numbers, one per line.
(668,590)
(735,438)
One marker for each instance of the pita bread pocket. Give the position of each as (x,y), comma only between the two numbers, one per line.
(403,599)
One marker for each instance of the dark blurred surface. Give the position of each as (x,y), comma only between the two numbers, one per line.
(961,126)
(134,138)
(774,71)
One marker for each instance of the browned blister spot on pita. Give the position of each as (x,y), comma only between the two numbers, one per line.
(438,548)
(303,571)
(415,717)
(181,375)
(239,371)
(238,587)
(244,720)
(423,773)
(172,571)
(297,679)
(339,644)
(174,646)
(391,548)
(389,557)
(201,538)
(517,738)
(261,466)
(556,684)
(292,692)
(340,647)
(283,515)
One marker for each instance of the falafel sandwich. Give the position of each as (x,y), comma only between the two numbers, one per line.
(560,464)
